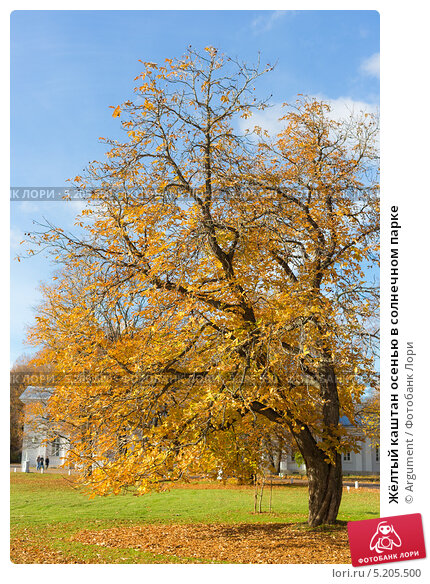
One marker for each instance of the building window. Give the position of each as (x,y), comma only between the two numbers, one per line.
(347,457)
(55,447)
(377,454)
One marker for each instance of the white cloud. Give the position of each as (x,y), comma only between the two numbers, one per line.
(345,107)
(18,243)
(371,66)
(265,22)
(27,207)
(267,119)
(341,108)
(77,206)
(16,236)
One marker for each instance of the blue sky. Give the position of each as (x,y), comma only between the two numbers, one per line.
(68,67)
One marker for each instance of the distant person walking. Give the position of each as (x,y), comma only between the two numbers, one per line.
(46,463)
(38,463)
(41,463)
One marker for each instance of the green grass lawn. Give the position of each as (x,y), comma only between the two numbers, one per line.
(46,510)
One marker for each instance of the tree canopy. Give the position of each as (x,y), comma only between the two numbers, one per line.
(222,284)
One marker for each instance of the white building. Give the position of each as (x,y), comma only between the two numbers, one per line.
(365,462)
(35,441)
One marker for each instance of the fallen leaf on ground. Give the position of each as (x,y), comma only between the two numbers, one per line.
(242,543)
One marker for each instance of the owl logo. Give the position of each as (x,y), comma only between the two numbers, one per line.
(385,538)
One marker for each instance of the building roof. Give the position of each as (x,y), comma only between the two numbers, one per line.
(34,394)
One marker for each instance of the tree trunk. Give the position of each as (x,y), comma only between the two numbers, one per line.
(325,488)
(325,477)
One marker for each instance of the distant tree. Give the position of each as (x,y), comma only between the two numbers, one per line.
(221,280)
(22,374)
(369,415)
(277,443)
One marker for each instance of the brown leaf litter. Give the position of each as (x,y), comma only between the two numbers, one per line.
(274,543)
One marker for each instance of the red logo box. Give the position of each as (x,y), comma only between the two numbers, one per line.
(388,539)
